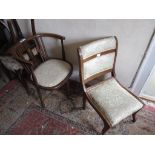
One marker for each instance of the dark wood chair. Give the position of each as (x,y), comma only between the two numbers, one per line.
(109,98)
(44,72)
(10,34)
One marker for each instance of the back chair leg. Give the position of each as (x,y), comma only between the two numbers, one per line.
(106,127)
(84,101)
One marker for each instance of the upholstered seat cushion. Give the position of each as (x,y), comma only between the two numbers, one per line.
(113,101)
(52,72)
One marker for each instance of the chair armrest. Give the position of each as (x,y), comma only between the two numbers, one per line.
(57,36)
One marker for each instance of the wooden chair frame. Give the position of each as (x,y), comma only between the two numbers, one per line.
(23,46)
(113,73)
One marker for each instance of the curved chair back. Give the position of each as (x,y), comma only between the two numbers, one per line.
(32,51)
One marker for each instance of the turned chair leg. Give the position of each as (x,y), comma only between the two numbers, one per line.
(40,97)
(84,101)
(106,127)
(134,117)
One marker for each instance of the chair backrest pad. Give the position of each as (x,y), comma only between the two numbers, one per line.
(97,58)
(98,46)
(98,64)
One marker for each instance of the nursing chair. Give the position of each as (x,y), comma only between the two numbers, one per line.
(109,98)
(44,72)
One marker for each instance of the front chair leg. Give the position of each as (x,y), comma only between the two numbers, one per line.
(40,97)
(106,127)
(38,89)
(84,101)
(134,117)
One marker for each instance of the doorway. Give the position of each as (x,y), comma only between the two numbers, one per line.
(144,84)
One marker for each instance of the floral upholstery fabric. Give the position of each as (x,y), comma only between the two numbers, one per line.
(52,72)
(113,101)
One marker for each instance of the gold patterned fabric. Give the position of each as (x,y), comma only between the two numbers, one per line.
(98,64)
(97,46)
(113,101)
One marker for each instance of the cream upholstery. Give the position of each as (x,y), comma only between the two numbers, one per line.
(98,64)
(52,72)
(97,47)
(113,101)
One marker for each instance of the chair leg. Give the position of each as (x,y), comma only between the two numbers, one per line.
(106,127)
(40,97)
(134,117)
(84,101)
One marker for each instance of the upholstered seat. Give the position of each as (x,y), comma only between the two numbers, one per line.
(52,72)
(113,101)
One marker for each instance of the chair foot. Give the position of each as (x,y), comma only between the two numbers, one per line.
(27,88)
(41,101)
(40,97)
(42,105)
(134,117)
(106,128)
(84,102)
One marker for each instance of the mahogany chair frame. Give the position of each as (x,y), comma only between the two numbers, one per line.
(84,82)
(23,47)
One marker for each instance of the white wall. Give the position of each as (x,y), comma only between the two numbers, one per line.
(133,36)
